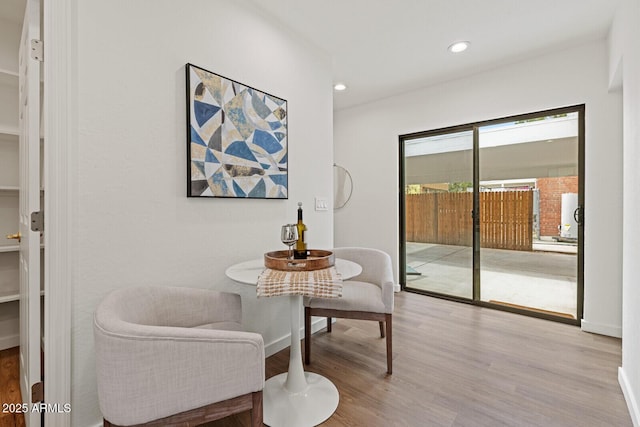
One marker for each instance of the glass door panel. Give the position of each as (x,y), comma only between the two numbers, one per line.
(529,187)
(438,213)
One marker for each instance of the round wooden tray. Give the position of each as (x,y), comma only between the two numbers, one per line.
(317,259)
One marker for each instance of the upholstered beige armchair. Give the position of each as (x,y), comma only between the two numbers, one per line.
(368,296)
(175,356)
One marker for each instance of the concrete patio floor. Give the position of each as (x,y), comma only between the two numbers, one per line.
(542,279)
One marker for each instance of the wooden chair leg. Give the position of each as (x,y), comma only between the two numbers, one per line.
(389,345)
(328,324)
(256,410)
(381,329)
(307,335)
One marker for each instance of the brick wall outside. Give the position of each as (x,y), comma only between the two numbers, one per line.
(551,190)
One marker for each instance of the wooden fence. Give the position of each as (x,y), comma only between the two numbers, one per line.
(506,219)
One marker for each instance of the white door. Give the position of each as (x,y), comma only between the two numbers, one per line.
(29,111)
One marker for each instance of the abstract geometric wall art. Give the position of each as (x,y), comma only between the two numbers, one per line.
(236,139)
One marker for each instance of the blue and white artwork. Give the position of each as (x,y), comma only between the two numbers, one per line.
(236,139)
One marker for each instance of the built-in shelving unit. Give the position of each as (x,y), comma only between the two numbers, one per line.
(10,31)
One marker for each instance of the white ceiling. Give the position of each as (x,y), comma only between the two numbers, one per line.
(384,47)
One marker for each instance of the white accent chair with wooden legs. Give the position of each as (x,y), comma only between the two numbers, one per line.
(368,296)
(169,356)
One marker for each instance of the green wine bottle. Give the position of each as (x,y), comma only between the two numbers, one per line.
(300,251)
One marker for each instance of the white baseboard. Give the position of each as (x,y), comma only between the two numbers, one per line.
(396,287)
(283,342)
(601,329)
(9,341)
(629,397)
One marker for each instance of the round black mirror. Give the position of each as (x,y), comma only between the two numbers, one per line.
(342,186)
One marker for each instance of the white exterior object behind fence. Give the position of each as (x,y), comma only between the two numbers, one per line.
(568,225)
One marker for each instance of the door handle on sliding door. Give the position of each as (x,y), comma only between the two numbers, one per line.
(578,215)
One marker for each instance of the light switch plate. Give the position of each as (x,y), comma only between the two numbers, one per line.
(322,204)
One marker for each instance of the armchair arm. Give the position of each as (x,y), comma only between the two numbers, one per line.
(387,285)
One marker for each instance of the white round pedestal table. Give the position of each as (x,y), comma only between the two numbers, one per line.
(295,398)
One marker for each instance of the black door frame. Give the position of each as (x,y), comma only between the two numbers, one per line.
(475,126)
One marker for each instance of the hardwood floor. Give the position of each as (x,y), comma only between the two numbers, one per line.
(456,365)
(460,365)
(10,387)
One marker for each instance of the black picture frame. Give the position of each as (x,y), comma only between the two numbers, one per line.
(237,139)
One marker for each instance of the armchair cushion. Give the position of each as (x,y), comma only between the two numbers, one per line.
(356,296)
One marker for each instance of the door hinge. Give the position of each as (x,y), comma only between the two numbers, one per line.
(37,50)
(37,392)
(37,221)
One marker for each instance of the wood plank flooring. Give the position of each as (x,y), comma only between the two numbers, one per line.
(10,387)
(457,365)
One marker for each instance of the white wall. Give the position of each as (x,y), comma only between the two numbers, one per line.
(133,223)
(366,143)
(624,69)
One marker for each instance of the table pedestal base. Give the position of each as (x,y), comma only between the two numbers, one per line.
(310,407)
(295,398)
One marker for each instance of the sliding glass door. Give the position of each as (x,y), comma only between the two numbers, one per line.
(491,213)
(438,194)
(529,188)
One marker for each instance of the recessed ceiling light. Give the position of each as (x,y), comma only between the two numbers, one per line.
(340,87)
(458,47)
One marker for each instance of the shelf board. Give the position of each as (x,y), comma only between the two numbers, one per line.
(14,248)
(14,131)
(14,188)
(8,297)
(8,72)
(8,77)
(9,130)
